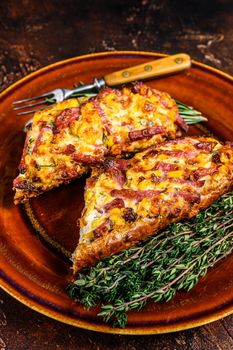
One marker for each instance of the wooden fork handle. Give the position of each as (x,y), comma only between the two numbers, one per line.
(152,69)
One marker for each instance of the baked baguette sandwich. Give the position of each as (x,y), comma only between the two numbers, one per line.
(67,138)
(129,200)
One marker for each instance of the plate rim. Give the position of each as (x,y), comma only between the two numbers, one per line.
(85,324)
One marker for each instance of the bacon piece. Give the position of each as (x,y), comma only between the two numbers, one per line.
(87,159)
(190,197)
(65,118)
(116,203)
(156,179)
(69,149)
(146,133)
(103,116)
(117,167)
(99,231)
(150,153)
(23,185)
(144,90)
(178,141)
(175,213)
(91,181)
(179,153)
(166,167)
(67,173)
(137,195)
(141,88)
(197,174)
(101,149)
(195,183)
(180,121)
(125,124)
(199,183)
(164,103)
(121,164)
(108,90)
(207,146)
(148,107)
(171,153)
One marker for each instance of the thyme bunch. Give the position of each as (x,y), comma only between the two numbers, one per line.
(160,266)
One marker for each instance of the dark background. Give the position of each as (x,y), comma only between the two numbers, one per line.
(35,33)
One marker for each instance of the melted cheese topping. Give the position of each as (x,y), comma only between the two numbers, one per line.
(180,172)
(67,137)
(129,111)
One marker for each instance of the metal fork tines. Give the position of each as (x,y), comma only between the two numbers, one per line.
(56,96)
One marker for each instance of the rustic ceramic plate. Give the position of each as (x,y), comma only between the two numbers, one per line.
(36,239)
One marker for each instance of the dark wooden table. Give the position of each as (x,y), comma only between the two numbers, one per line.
(38,32)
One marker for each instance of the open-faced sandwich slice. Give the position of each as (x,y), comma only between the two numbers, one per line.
(67,138)
(129,200)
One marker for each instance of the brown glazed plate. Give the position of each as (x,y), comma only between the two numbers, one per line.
(36,239)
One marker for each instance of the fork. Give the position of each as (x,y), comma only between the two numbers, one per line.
(152,69)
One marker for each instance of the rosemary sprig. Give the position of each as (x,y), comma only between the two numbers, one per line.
(157,268)
(189,114)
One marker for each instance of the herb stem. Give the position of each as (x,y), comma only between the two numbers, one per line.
(160,266)
(166,287)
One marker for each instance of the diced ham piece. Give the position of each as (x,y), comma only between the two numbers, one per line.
(23,185)
(180,121)
(137,195)
(69,149)
(65,118)
(116,203)
(199,183)
(87,159)
(190,197)
(207,146)
(103,116)
(166,167)
(146,133)
(197,174)
(156,179)
(172,153)
(117,168)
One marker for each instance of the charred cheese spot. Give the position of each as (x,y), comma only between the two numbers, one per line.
(129,215)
